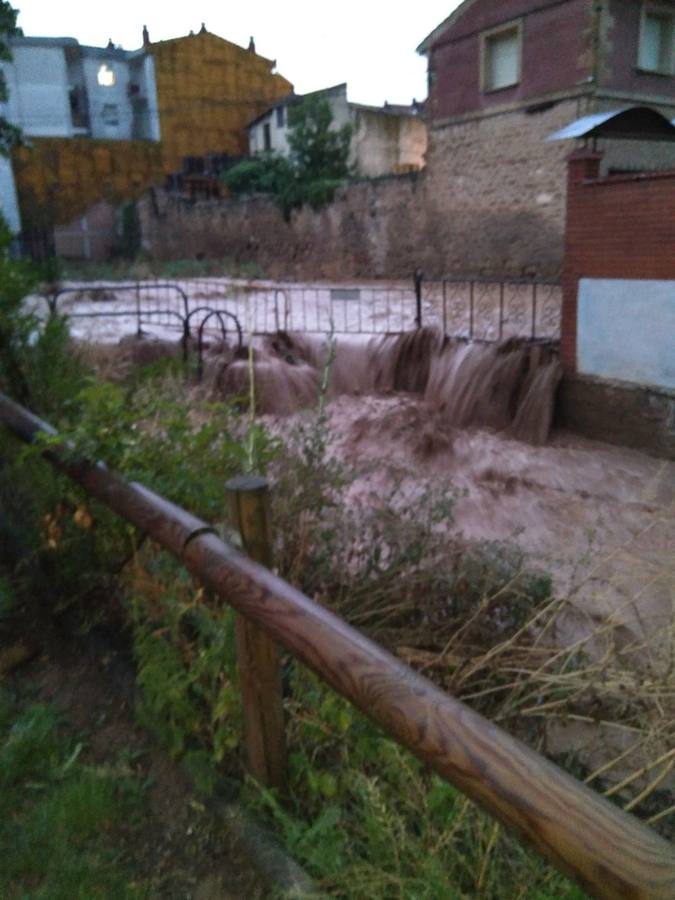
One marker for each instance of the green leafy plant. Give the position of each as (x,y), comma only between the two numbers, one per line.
(317,164)
(367,820)
(318,151)
(148,435)
(59,816)
(10,136)
(267,174)
(184,647)
(39,365)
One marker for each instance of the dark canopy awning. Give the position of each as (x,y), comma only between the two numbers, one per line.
(639,123)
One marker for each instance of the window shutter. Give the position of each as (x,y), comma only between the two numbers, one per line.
(502,62)
(651,45)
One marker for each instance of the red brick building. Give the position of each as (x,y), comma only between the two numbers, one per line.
(618,326)
(522,53)
(502,77)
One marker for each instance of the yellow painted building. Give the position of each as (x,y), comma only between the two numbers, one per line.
(59,179)
(208,90)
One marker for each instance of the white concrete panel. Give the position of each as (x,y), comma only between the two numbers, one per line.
(626,330)
(38,90)
(9,206)
(150,89)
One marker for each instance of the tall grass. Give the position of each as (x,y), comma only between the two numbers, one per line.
(360,813)
(61,819)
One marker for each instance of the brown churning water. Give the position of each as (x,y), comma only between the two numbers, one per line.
(509,386)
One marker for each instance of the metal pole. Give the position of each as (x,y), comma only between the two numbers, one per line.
(534,310)
(471,302)
(417,279)
(139,330)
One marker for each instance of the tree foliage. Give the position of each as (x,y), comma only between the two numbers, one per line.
(37,364)
(269,174)
(318,161)
(318,151)
(9,135)
(17,278)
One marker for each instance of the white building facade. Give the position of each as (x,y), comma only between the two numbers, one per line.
(385,140)
(59,88)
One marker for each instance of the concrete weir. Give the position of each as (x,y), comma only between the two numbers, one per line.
(508,386)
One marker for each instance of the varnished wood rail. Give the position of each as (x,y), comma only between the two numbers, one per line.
(609,852)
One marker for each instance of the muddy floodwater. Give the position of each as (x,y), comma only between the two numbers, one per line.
(599,518)
(419,409)
(422,409)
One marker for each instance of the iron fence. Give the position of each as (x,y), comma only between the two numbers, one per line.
(266,307)
(488,309)
(131,306)
(481,309)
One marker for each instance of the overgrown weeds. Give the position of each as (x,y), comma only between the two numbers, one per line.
(60,818)
(367,820)
(360,813)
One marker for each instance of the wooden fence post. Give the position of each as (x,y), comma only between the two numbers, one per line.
(258,656)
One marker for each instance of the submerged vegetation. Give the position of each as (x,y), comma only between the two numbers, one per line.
(360,813)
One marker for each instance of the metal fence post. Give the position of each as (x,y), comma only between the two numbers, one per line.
(139,330)
(258,656)
(534,310)
(471,310)
(417,278)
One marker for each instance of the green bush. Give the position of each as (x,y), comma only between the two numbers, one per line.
(367,819)
(268,174)
(318,162)
(59,817)
(39,365)
(186,663)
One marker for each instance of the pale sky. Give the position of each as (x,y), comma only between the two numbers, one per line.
(370,44)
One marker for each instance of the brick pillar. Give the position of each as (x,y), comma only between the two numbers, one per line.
(582,165)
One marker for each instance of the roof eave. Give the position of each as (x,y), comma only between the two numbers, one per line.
(433,36)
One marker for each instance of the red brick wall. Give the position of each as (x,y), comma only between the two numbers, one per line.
(617,227)
(559,46)
(555,56)
(621,53)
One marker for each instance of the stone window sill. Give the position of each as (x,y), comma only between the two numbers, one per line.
(661,73)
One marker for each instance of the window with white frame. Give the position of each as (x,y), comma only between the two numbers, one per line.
(501,50)
(656,51)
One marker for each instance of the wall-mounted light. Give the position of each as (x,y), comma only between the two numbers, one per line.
(105,76)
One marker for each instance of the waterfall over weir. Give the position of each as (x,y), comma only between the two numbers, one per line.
(508,386)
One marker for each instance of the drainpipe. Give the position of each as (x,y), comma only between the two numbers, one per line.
(598,10)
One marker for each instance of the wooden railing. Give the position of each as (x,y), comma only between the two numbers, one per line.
(609,852)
